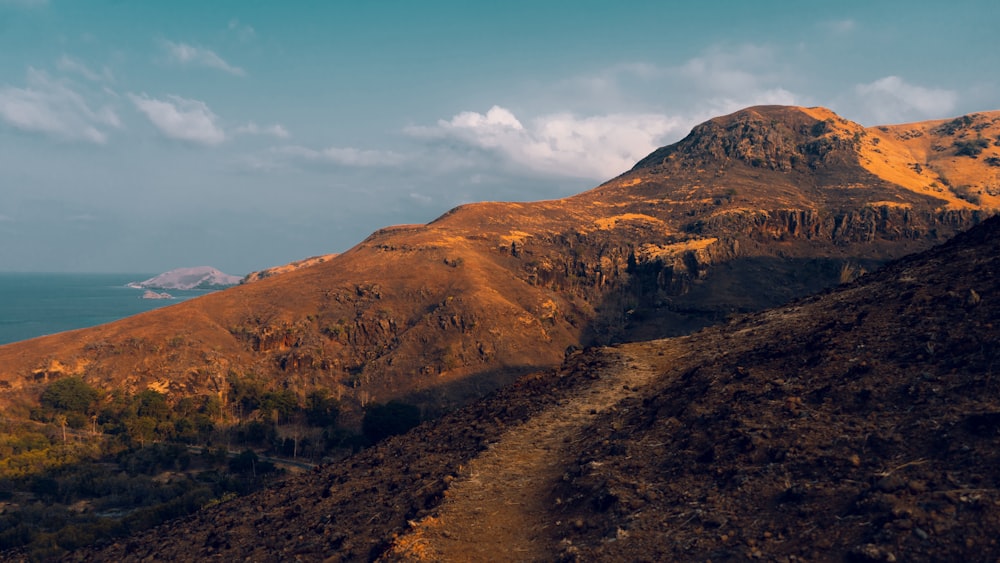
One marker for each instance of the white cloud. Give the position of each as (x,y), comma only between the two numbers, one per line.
(421,198)
(182,119)
(252,128)
(841,27)
(185,54)
(69,64)
(719,79)
(561,144)
(244,31)
(606,121)
(51,107)
(343,156)
(892,99)
(732,72)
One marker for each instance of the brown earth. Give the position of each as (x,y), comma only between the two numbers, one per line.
(860,425)
(750,210)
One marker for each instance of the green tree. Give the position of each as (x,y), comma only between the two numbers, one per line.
(152,404)
(280,404)
(70,394)
(322,410)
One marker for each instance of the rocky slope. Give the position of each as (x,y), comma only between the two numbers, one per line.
(748,211)
(860,425)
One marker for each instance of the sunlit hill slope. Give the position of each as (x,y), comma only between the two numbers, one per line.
(748,211)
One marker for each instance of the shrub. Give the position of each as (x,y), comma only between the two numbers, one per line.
(971,148)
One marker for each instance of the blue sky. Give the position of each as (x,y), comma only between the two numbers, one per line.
(145,136)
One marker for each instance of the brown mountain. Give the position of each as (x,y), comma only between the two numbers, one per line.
(857,425)
(748,211)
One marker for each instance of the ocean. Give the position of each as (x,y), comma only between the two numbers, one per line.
(38,304)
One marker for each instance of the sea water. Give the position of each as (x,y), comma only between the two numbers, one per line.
(38,304)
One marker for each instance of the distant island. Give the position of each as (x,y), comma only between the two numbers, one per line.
(199,277)
(150,294)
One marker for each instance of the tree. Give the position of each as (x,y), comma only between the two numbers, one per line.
(70,394)
(153,404)
(141,430)
(321,409)
(280,404)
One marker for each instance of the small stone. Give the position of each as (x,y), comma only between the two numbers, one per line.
(973,298)
(920,533)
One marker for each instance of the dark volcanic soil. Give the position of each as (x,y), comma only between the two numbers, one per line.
(859,425)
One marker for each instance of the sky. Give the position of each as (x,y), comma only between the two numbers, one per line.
(146,136)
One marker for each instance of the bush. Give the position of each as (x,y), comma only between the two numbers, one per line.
(971,148)
(394,417)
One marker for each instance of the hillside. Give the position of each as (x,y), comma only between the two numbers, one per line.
(750,210)
(284,269)
(860,424)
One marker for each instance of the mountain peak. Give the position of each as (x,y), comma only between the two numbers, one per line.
(781,138)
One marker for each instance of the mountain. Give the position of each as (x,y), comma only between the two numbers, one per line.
(199,277)
(860,424)
(268,272)
(748,211)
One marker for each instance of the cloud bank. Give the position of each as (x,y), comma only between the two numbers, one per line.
(53,108)
(185,54)
(252,128)
(559,144)
(181,119)
(892,99)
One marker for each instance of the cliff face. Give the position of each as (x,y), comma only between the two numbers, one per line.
(748,211)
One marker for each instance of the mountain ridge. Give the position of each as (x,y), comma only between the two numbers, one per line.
(438,314)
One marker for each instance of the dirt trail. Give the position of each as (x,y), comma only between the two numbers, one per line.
(497,509)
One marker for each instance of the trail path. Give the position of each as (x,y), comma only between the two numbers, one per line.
(497,509)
